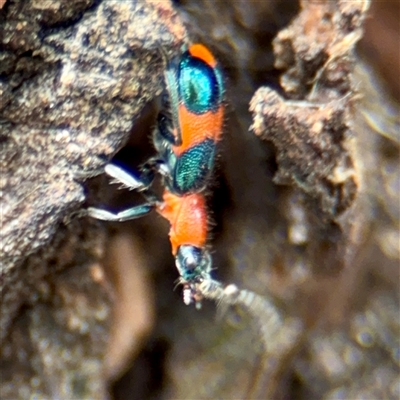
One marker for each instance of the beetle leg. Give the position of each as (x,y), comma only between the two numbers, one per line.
(126,215)
(125,177)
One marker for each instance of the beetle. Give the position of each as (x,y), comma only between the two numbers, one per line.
(186,148)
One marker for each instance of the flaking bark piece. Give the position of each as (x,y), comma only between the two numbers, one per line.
(310,124)
(316,51)
(311,148)
(312,134)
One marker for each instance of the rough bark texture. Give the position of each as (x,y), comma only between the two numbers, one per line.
(306,211)
(311,130)
(75,76)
